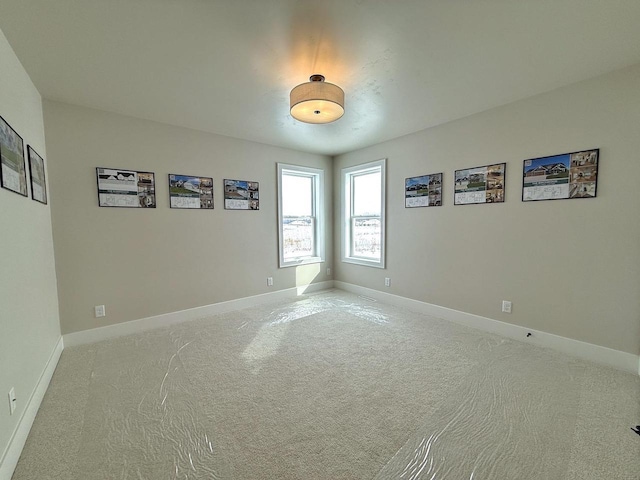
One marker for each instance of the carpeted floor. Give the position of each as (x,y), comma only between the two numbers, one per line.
(331,386)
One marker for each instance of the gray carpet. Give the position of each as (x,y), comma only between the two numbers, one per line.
(331,386)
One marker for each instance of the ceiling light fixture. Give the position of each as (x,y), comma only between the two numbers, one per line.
(317,101)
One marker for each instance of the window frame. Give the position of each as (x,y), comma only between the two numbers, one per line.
(317,214)
(347,178)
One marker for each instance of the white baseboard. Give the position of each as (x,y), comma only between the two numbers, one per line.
(135,326)
(587,351)
(13,450)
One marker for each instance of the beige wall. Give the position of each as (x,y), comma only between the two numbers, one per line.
(29,327)
(145,262)
(570,267)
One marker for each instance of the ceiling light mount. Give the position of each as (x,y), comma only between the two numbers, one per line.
(317,101)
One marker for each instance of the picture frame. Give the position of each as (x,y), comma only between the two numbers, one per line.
(423,191)
(190,192)
(124,188)
(565,176)
(241,195)
(13,171)
(477,185)
(37,176)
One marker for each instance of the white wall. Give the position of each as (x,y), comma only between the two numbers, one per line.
(146,262)
(29,323)
(570,267)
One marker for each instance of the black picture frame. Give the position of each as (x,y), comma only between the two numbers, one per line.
(183,195)
(580,169)
(488,184)
(235,198)
(427,188)
(13,169)
(125,188)
(37,176)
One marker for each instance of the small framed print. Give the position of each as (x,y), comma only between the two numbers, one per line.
(480,184)
(36,172)
(13,175)
(186,191)
(423,191)
(241,195)
(561,177)
(126,188)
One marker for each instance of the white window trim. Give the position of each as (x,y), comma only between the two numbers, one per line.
(346,219)
(317,176)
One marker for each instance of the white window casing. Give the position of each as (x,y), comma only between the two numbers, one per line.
(301,222)
(363,214)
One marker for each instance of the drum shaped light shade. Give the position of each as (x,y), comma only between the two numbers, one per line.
(317,101)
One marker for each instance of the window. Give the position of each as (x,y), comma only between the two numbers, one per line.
(363,214)
(300,215)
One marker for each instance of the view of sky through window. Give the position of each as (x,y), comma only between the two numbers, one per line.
(367,197)
(296,196)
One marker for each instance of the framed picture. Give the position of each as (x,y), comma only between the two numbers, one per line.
(423,191)
(13,174)
(36,172)
(126,188)
(560,177)
(190,192)
(241,195)
(480,184)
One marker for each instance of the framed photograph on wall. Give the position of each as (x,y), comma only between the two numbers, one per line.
(560,177)
(13,174)
(126,188)
(423,191)
(186,191)
(480,184)
(241,195)
(36,172)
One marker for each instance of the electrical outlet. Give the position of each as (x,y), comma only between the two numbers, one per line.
(269,281)
(506,306)
(12,401)
(387,282)
(100,311)
(328,272)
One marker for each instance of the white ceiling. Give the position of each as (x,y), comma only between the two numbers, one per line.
(227,66)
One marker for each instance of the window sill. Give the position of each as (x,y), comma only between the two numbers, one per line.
(301,261)
(364,262)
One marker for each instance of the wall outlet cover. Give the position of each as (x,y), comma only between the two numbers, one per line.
(506,306)
(12,401)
